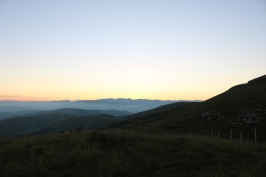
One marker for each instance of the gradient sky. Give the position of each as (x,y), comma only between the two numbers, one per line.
(153,49)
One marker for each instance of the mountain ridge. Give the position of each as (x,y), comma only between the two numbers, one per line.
(241,108)
(131,105)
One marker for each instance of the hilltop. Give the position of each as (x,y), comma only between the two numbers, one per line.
(258,79)
(242,108)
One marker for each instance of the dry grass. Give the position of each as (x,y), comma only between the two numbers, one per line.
(120,153)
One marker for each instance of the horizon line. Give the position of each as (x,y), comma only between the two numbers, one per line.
(100,99)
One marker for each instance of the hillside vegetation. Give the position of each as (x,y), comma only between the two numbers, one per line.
(114,153)
(151,114)
(240,109)
(86,122)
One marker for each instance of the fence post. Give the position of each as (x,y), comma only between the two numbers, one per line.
(255,135)
(212,133)
(231,136)
(218,133)
(241,137)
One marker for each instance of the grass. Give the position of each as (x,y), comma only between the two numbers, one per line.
(87,122)
(121,153)
(224,109)
(175,125)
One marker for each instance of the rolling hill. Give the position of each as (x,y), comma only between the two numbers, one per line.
(39,120)
(242,108)
(6,115)
(86,122)
(131,105)
(153,113)
(104,119)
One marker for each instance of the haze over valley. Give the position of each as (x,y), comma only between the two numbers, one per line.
(130,105)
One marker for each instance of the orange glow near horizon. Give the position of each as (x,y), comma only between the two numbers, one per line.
(51,90)
(87,97)
(194,51)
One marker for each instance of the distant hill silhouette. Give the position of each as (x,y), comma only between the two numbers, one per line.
(258,80)
(40,120)
(130,105)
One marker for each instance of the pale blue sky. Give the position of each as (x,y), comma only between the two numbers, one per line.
(156,49)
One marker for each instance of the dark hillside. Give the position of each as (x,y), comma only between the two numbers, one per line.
(26,125)
(43,119)
(241,108)
(153,113)
(86,122)
(127,154)
(245,96)
(6,115)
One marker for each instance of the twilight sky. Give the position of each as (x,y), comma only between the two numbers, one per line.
(153,49)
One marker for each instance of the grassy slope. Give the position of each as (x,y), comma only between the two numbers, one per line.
(87,122)
(153,113)
(129,154)
(245,96)
(161,110)
(229,104)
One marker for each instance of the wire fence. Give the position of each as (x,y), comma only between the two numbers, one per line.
(236,136)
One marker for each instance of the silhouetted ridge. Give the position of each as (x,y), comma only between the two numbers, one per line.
(258,80)
(241,109)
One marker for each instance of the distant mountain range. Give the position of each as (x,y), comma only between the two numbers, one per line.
(130,105)
(20,118)
(44,122)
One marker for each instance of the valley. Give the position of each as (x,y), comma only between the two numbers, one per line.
(176,139)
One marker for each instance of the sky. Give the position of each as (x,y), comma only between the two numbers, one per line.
(148,49)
